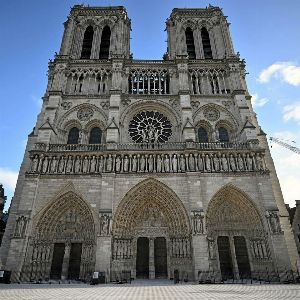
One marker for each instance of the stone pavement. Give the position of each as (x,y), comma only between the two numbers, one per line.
(140,290)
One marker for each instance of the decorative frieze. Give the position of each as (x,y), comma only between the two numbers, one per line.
(139,162)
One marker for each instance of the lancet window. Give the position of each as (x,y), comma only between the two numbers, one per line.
(73,136)
(190,45)
(149,82)
(87,43)
(206,43)
(202,135)
(95,136)
(223,134)
(105,43)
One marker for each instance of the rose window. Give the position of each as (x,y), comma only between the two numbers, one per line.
(150,127)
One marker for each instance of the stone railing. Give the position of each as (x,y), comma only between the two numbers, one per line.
(84,159)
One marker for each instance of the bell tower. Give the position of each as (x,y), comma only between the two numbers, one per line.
(199,33)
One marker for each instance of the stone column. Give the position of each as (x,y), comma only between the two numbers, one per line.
(65,264)
(151,259)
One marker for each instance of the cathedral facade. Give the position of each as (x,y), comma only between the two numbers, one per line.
(151,167)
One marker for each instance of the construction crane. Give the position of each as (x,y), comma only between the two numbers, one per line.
(285,145)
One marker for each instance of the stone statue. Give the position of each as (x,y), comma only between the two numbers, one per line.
(150,163)
(69,165)
(53,165)
(133,163)
(44,166)
(126,164)
(240,162)
(191,162)
(142,163)
(61,165)
(101,164)
(182,163)
(232,162)
(20,227)
(77,164)
(174,163)
(167,163)
(200,163)
(216,163)
(109,161)
(35,164)
(211,247)
(249,162)
(274,222)
(198,222)
(259,162)
(118,163)
(93,164)
(85,165)
(224,163)
(105,227)
(158,163)
(207,163)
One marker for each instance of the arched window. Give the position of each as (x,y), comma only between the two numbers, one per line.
(95,136)
(190,45)
(223,134)
(87,43)
(202,135)
(73,136)
(105,43)
(206,43)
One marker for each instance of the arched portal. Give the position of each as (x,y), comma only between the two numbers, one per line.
(64,242)
(151,232)
(236,236)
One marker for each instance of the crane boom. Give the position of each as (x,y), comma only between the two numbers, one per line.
(286,145)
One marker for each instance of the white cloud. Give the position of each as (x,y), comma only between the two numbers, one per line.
(36,100)
(287,164)
(292,112)
(258,102)
(8,178)
(285,71)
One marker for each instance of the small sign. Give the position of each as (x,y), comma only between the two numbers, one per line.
(95,275)
(1,274)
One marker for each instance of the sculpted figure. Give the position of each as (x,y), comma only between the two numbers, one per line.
(85,165)
(53,166)
(69,165)
(61,165)
(77,164)
(93,164)
(174,163)
(109,161)
(224,163)
(134,163)
(126,164)
(240,162)
(200,162)
(150,163)
(249,162)
(216,163)
(259,162)
(207,163)
(191,162)
(35,164)
(101,164)
(158,163)
(118,163)
(232,163)
(167,163)
(182,163)
(142,163)
(45,165)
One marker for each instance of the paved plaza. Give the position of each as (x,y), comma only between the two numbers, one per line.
(149,290)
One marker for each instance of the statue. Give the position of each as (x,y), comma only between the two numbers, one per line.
(35,164)
(101,164)
(77,164)
(207,163)
(118,163)
(224,163)
(20,227)
(174,163)
(85,165)
(191,162)
(134,163)
(249,162)
(158,164)
(182,163)
(167,163)
(142,163)
(150,163)
(232,163)
(44,167)
(69,165)
(126,164)
(200,163)
(93,164)
(109,161)
(216,163)
(240,162)
(53,165)
(105,224)
(259,162)
(61,165)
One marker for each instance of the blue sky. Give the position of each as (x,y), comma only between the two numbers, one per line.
(266,33)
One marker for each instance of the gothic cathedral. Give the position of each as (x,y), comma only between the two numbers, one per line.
(152,167)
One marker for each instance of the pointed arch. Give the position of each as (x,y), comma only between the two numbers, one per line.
(190,44)
(160,197)
(206,43)
(231,209)
(105,43)
(87,43)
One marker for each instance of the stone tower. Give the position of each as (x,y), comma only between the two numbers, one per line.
(148,168)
